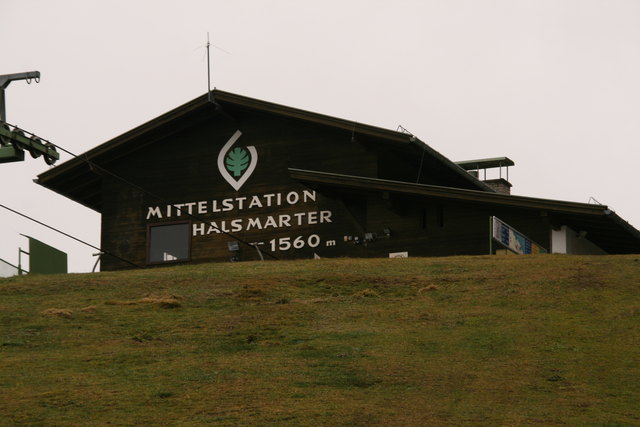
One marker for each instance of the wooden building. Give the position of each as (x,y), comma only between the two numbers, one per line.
(230,177)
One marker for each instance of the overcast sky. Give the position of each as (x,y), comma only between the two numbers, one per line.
(551,84)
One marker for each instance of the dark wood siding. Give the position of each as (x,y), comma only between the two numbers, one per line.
(432,227)
(181,168)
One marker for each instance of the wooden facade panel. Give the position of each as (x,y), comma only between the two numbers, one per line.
(250,196)
(270,208)
(278,213)
(412,164)
(432,227)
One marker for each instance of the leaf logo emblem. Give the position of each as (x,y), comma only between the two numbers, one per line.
(237,161)
(241,162)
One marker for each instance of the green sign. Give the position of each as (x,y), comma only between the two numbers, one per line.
(45,259)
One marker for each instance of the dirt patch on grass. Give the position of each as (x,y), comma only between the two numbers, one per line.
(426,289)
(57,312)
(163,300)
(366,293)
(119,302)
(311,300)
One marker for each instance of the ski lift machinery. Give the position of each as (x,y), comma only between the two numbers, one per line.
(15,141)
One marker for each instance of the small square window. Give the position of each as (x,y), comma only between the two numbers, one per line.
(169,243)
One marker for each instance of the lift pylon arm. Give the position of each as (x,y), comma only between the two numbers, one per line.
(5,79)
(13,143)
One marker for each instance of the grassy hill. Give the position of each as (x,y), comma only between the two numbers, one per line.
(516,340)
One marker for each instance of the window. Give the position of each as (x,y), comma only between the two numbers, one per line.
(169,243)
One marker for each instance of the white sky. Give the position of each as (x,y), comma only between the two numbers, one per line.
(552,84)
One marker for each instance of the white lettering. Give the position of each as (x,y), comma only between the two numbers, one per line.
(270,222)
(299,217)
(236,225)
(190,207)
(309,195)
(198,229)
(254,223)
(284,221)
(227,205)
(155,211)
(255,201)
(269,197)
(259,223)
(240,201)
(312,218)
(293,198)
(213,228)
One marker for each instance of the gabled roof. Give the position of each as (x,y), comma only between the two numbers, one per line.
(606,229)
(77,180)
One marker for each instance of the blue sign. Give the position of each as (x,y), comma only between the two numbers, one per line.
(514,240)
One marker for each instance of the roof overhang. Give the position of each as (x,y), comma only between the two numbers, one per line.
(79,178)
(494,162)
(610,231)
(365,183)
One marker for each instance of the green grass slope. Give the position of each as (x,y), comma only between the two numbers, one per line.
(517,340)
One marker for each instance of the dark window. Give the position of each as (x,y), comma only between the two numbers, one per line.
(169,243)
(423,218)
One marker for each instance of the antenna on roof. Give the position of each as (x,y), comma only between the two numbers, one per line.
(208,69)
(209,45)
